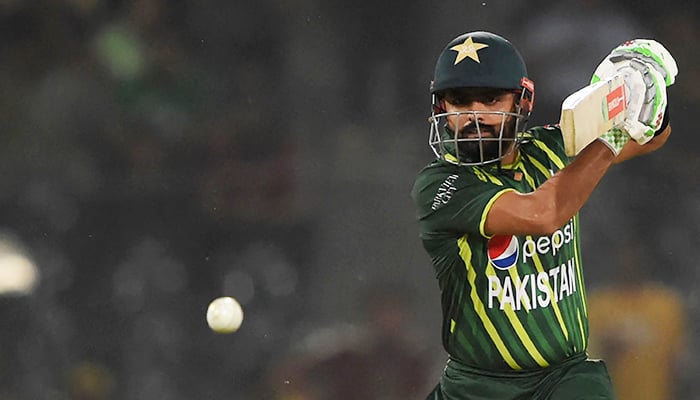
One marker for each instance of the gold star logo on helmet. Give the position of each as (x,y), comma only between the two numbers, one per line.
(468,49)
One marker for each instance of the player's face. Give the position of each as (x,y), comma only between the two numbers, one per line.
(482,115)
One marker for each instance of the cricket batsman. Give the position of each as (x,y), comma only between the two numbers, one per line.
(498,215)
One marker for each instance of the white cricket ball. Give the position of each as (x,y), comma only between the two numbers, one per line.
(224,315)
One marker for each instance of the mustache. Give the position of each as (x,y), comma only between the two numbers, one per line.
(473,128)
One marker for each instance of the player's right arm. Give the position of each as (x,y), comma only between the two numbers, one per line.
(558,199)
(553,203)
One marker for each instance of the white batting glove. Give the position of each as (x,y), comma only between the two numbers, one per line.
(646,97)
(650,51)
(647,50)
(646,100)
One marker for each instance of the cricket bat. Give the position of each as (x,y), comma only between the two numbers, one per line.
(591,111)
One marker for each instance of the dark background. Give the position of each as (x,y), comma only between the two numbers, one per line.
(157,155)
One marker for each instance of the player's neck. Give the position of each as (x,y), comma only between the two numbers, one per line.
(510,158)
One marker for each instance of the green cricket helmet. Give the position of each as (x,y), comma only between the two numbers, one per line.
(479,61)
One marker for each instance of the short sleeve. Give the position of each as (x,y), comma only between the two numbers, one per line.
(454,203)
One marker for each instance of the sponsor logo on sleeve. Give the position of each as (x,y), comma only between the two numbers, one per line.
(444,192)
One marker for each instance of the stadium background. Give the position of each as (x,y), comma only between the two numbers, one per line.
(159,154)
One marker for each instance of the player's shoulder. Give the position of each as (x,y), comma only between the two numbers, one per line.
(434,172)
(438,170)
(439,174)
(547,139)
(545,133)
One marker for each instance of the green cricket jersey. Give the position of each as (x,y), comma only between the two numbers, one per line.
(509,303)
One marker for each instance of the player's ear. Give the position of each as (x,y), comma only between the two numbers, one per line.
(527,96)
(439,103)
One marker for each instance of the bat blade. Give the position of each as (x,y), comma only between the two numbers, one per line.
(591,111)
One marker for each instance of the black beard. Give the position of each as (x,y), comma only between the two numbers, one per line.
(493,149)
(470,151)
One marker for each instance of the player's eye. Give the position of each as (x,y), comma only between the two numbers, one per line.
(492,97)
(492,100)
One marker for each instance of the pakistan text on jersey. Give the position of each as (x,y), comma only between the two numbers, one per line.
(533,291)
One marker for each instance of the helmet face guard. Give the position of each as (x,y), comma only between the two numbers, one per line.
(479,60)
(477,143)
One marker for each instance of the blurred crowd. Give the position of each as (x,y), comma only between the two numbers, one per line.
(160,154)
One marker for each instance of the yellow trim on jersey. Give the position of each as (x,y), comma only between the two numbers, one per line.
(482,222)
(516,161)
(465,253)
(557,312)
(547,173)
(583,333)
(579,270)
(450,157)
(582,288)
(484,175)
(480,174)
(519,328)
(541,167)
(551,154)
(530,180)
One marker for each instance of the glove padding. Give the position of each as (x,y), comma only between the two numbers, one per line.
(646,61)
(646,100)
(646,50)
(650,51)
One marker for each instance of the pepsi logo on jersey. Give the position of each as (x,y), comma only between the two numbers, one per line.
(503,251)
